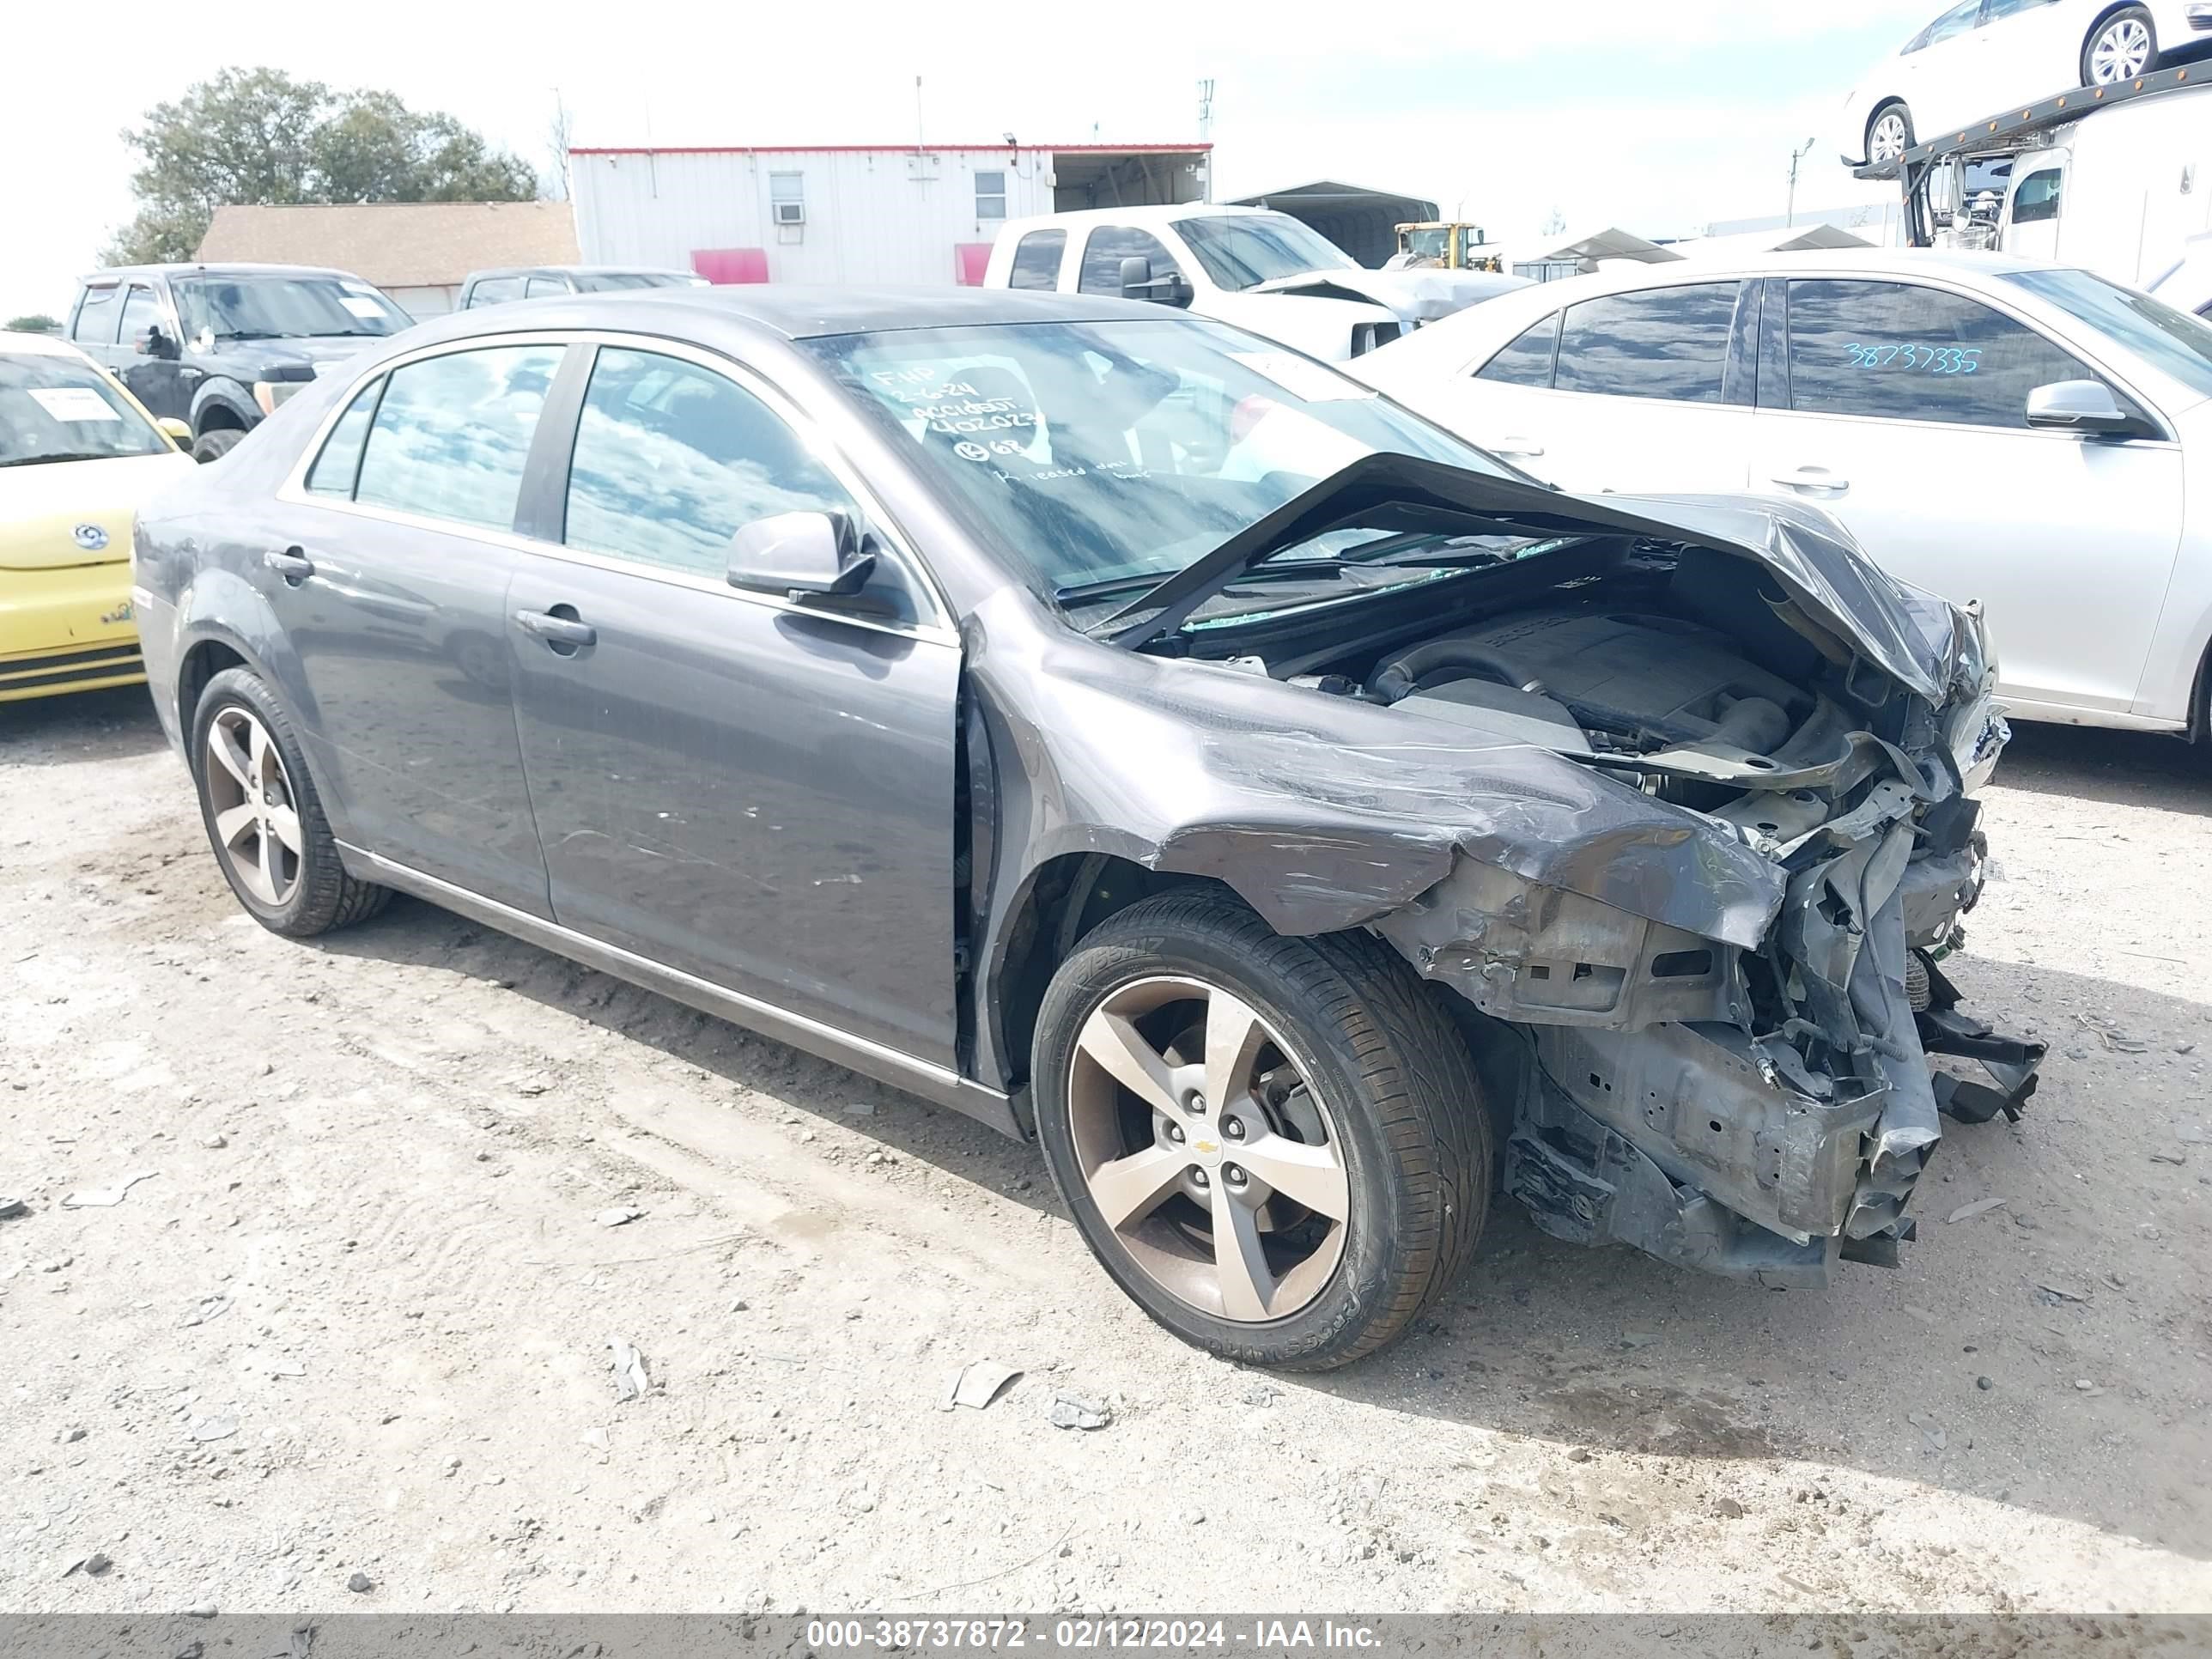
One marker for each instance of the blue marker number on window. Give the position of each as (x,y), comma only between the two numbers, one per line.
(1928,359)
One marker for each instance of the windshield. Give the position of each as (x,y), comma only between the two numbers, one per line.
(283,308)
(601,281)
(1430,242)
(1240,251)
(1101,455)
(2172,342)
(58,408)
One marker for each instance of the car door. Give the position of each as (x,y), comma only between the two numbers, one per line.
(1901,408)
(149,353)
(387,574)
(1646,390)
(1098,268)
(755,791)
(93,329)
(2035,198)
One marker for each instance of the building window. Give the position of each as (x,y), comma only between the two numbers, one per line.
(787,195)
(990,196)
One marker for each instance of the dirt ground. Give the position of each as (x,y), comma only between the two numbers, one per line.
(356,1319)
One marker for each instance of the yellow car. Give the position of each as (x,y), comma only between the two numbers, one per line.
(77,454)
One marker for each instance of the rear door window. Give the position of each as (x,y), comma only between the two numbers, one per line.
(1528,360)
(1905,353)
(1036,260)
(451,434)
(338,466)
(1664,342)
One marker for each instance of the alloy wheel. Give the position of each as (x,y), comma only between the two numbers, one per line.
(1206,1150)
(1887,142)
(256,821)
(2120,53)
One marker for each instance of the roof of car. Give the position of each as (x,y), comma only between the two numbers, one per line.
(43,345)
(228,269)
(576,270)
(799,312)
(1157,214)
(1872,261)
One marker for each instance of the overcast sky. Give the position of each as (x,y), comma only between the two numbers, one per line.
(1658,115)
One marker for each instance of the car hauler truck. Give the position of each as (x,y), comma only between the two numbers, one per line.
(2116,179)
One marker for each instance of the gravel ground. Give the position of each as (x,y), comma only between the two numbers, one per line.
(356,1318)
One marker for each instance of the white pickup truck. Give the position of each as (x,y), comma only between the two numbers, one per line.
(1260,270)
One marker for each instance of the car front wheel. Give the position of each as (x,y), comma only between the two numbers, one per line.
(263,817)
(1276,1146)
(2123,46)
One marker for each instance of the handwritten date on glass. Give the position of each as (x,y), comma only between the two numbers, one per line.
(1931,359)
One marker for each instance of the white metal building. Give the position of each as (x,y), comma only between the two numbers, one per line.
(857,214)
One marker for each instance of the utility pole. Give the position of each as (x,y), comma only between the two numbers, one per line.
(1205,129)
(1797,155)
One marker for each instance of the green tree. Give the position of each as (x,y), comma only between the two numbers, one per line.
(34,322)
(257,135)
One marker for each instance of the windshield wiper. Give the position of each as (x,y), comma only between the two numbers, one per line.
(255,334)
(62,455)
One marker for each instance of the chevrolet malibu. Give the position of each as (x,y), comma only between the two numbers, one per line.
(1141,737)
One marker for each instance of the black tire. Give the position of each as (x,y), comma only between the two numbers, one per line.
(2105,25)
(1895,107)
(214,446)
(1401,1089)
(323,897)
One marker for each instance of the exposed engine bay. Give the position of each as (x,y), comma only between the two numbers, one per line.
(1755,1110)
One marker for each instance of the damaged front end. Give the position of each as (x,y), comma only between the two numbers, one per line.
(1760,1106)
(1707,831)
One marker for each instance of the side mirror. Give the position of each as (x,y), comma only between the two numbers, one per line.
(179,431)
(2085,406)
(1136,278)
(799,556)
(154,341)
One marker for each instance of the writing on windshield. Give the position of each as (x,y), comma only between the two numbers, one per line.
(1095,452)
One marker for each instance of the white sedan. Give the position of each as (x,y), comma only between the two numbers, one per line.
(1983,56)
(1989,428)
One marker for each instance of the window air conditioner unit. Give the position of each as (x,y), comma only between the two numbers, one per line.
(790,213)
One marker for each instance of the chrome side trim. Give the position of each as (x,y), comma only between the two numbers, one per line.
(925,1077)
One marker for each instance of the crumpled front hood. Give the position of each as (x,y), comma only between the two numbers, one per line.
(1829,582)
(1416,296)
(1912,634)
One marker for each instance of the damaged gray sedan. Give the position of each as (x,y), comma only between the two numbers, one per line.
(1136,736)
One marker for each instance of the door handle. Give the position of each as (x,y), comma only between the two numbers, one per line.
(1813,478)
(1517,447)
(293,566)
(563,635)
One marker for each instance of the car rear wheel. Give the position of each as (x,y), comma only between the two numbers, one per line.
(263,817)
(2123,46)
(214,446)
(1276,1146)
(1889,134)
